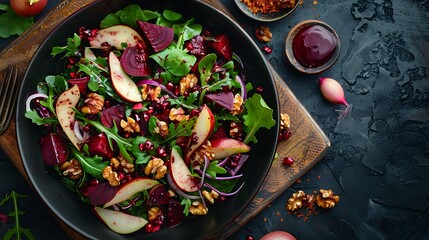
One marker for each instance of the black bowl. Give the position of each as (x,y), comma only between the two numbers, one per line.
(65,203)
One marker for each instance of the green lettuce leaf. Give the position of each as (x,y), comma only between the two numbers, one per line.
(258,115)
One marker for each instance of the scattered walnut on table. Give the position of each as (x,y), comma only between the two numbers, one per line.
(284,121)
(298,200)
(263,34)
(326,199)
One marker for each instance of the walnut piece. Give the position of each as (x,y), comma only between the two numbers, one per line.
(93,103)
(154,213)
(187,82)
(235,130)
(72,169)
(149,93)
(204,150)
(114,163)
(237,108)
(326,199)
(298,200)
(198,208)
(156,167)
(111,176)
(127,167)
(178,114)
(210,196)
(161,129)
(130,125)
(284,121)
(263,34)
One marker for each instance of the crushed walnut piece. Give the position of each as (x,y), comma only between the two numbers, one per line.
(235,130)
(154,213)
(298,200)
(204,150)
(149,93)
(127,167)
(284,121)
(326,199)
(93,103)
(237,108)
(130,125)
(263,34)
(178,114)
(156,167)
(210,196)
(187,82)
(161,128)
(111,176)
(114,163)
(198,208)
(72,169)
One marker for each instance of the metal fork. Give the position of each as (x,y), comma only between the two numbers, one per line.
(8,92)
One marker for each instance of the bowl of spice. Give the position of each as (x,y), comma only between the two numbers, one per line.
(267,10)
(312,46)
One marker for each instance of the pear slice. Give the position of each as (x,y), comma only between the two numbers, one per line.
(122,83)
(116,36)
(64,106)
(120,222)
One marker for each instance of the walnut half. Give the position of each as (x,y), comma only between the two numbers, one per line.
(298,200)
(326,199)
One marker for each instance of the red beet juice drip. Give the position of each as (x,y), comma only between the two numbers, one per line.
(313,46)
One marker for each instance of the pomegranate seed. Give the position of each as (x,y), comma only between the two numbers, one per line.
(259,89)
(161,152)
(148,145)
(267,49)
(170,86)
(288,161)
(248,237)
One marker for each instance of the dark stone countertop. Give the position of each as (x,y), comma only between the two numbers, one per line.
(378,162)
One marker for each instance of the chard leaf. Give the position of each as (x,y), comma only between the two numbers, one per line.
(258,115)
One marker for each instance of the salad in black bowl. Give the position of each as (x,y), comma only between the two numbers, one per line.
(149,119)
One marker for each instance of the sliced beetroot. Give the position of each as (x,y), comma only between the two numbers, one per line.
(159,37)
(221,45)
(54,149)
(158,195)
(101,193)
(174,213)
(196,46)
(112,114)
(223,99)
(134,61)
(82,83)
(220,133)
(99,145)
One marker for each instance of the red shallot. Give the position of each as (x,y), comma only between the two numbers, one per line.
(278,235)
(334,93)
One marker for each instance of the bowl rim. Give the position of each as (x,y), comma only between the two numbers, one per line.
(291,56)
(19,115)
(265,17)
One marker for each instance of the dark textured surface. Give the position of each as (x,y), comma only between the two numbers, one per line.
(379,160)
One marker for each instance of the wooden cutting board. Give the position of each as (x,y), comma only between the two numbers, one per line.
(307,145)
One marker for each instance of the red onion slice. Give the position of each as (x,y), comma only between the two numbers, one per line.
(31,98)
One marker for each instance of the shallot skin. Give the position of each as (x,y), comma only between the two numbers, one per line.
(334,93)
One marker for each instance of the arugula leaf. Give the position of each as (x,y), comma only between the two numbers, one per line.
(17,231)
(142,157)
(35,118)
(258,115)
(213,169)
(186,202)
(11,23)
(72,48)
(92,165)
(123,144)
(183,129)
(188,102)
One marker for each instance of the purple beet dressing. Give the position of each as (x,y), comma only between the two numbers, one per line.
(313,46)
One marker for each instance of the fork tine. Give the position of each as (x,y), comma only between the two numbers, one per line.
(9,92)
